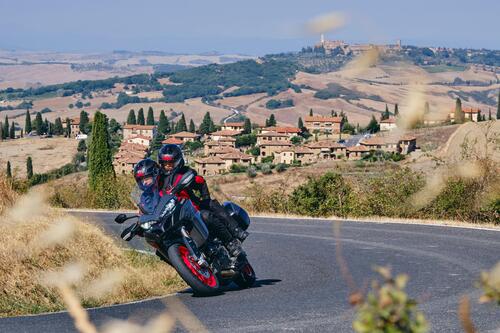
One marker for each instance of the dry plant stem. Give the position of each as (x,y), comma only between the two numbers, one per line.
(464,315)
(185,317)
(76,311)
(355,296)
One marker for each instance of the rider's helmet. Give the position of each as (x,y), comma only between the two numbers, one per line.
(146,174)
(170,158)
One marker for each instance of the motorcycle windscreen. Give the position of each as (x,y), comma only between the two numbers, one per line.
(238,213)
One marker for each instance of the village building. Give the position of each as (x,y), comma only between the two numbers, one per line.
(210,166)
(388,124)
(407,144)
(271,137)
(357,152)
(219,151)
(269,148)
(127,157)
(223,134)
(236,158)
(148,131)
(328,149)
(290,131)
(236,126)
(322,124)
(139,139)
(208,146)
(469,114)
(387,144)
(295,154)
(74,127)
(185,136)
(173,141)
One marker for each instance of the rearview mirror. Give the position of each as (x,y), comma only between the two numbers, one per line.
(120,218)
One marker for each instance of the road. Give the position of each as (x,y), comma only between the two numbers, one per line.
(300,286)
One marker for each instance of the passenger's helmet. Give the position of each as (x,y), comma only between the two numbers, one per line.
(146,174)
(170,158)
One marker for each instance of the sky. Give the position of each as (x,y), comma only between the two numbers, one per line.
(253,27)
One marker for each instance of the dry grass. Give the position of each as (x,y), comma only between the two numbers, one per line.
(47,154)
(43,251)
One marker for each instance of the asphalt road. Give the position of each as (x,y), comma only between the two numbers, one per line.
(300,286)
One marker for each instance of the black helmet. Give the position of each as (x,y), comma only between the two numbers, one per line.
(171,154)
(146,174)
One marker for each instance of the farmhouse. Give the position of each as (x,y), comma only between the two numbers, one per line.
(148,131)
(388,124)
(328,149)
(322,124)
(357,152)
(185,136)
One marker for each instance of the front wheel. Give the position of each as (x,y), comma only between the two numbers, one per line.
(202,280)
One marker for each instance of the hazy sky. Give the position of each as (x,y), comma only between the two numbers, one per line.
(252,27)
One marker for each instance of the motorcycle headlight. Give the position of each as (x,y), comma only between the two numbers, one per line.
(147,225)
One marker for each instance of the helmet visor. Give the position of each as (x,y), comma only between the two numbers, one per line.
(147,181)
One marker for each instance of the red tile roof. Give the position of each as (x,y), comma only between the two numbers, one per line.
(235,124)
(226,133)
(358,148)
(388,121)
(173,141)
(276,143)
(322,119)
(210,160)
(184,135)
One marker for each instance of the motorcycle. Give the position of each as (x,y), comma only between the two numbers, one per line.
(175,229)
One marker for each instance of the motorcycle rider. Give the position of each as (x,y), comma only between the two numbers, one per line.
(172,163)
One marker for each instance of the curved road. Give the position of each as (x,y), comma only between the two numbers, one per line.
(300,287)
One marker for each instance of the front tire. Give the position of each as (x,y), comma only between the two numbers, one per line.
(202,280)
(246,277)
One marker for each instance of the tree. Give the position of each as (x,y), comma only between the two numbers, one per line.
(84,122)
(82,146)
(386,114)
(6,128)
(9,170)
(373,126)
(48,127)
(151,117)
(100,162)
(173,127)
(459,113)
(12,131)
(181,124)
(271,121)
(396,110)
(300,123)
(131,117)
(58,128)
(247,126)
(27,122)
(311,112)
(163,125)
(140,117)
(29,167)
(39,124)
(192,127)
(489,114)
(1,132)
(498,106)
(207,125)
(68,127)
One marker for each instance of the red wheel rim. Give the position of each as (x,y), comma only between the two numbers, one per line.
(205,275)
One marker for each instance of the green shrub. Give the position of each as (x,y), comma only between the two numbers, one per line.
(388,308)
(280,167)
(238,168)
(267,159)
(323,196)
(266,169)
(262,199)
(251,172)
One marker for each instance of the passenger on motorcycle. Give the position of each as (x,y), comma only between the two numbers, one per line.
(218,221)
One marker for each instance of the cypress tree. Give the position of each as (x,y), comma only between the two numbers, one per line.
(459,113)
(151,117)
(6,128)
(9,170)
(173,127)
(206,124)
(163,125)
(27,122)
(58,128)
(131,118)
(192,127)
(140,117)
(489,114)
(1,131)
(12,132)
(84,122)
(47,128)
(100,162)
(39,123)
(29,167)
(396,110)
(373,126)
(181,125)
(498,106)
(272,120)
(310,112)
(300,123)
(68,127)
(247,126)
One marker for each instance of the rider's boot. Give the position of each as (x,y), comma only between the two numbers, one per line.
(230,222)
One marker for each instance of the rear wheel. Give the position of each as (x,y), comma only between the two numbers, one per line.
(202,280)
(246,277)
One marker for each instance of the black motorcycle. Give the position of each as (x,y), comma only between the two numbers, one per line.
(179,235)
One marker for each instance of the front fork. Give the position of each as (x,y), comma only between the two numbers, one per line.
(193,249)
